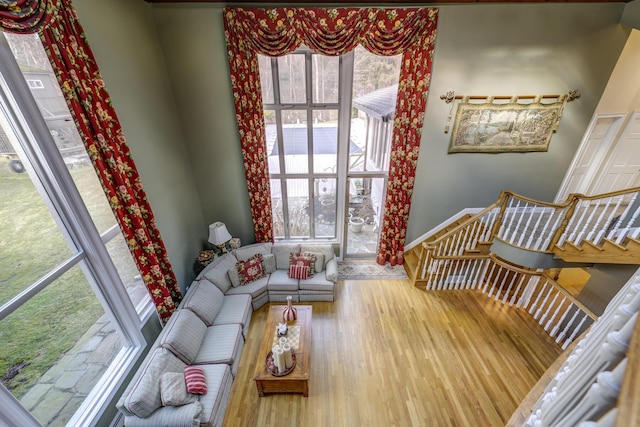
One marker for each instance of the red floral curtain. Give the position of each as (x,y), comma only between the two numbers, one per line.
(275,32)
(98,125)
(26,16)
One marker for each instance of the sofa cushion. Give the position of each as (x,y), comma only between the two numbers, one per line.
(205,300)
(282,251)
(317,283)
(173,390)
(214,403)
(218,274)
(194,379)
(269,263)
(221,344)
(246,252)
(183,334)
(145,397)
(279,280)
(254,288)
(235,309)
(234,277)
(301,266)
(251,269)
(174,416)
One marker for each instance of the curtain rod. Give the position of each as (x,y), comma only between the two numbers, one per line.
(451,96)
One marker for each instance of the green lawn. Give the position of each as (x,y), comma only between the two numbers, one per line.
(39,332)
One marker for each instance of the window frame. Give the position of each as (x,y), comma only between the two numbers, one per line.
(50,175)
(345,72)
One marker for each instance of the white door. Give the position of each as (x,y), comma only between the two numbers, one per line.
(622,168)
(597,141)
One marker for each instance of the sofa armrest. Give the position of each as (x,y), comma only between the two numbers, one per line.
(331,270)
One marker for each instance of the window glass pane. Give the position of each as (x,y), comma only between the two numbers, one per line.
(365,204)
(298,201)
(293,86)
(325,75)
(271,136)
(31,243)
(325,141)
(30,55)
(325,207)
(55,348)
(277,209)
(295,139)
(266,79)
(375,89)
(128,271)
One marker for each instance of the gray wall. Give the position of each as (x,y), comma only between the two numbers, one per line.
(489,49)
(482,49)
(123,38)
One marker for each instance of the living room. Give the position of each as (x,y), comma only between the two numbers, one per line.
(166,69)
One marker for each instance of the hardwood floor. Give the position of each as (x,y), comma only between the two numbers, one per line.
(388,354)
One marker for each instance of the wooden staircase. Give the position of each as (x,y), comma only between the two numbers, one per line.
(609,252)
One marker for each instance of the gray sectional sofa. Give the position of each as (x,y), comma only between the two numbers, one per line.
(209,328)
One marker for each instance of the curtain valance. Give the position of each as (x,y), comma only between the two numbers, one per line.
(27,16)
(276,32)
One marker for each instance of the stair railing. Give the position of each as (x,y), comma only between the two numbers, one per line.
(537,226)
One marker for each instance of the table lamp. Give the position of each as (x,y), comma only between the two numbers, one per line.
(219,236)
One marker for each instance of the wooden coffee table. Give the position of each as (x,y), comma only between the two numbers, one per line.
(299,336)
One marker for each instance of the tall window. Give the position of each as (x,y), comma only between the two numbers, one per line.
(69,290)
(328,132)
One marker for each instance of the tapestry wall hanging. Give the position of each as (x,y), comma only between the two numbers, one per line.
(502,124)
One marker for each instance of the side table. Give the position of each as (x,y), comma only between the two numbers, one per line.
(204,258)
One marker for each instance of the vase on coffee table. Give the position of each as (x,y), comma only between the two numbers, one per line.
(289,313)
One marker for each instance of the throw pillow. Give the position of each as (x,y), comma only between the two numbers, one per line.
(301,266)
(234,276)
(318,266)
(173,389)
(251,269)
(269,263)
(194,378)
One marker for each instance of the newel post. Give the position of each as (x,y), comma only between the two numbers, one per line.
(565,221)
(504,196)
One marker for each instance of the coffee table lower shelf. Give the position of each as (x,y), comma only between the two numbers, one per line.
(282,386)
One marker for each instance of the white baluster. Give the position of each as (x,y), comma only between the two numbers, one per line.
(610,219)
(465,240)
(525,299)
(600,398)
(555,313)
(547,240)
(491,220)
(623,234)
(516,231)
(497,278)
(517,291)
(596,228)
(473,240)
(483,266)
(533,233)
(569,323)
(489,277)
(511,282)
(614,231)
(585,227)
(431,273)
(512,214)
(552,212)
(535,303)
(544,303)
(575,332)
(608,420)
(575,222)
(546,313)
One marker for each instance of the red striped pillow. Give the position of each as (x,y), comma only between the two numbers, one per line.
(301,266)
(194,377)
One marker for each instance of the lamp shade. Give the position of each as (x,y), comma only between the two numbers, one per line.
(218,233)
